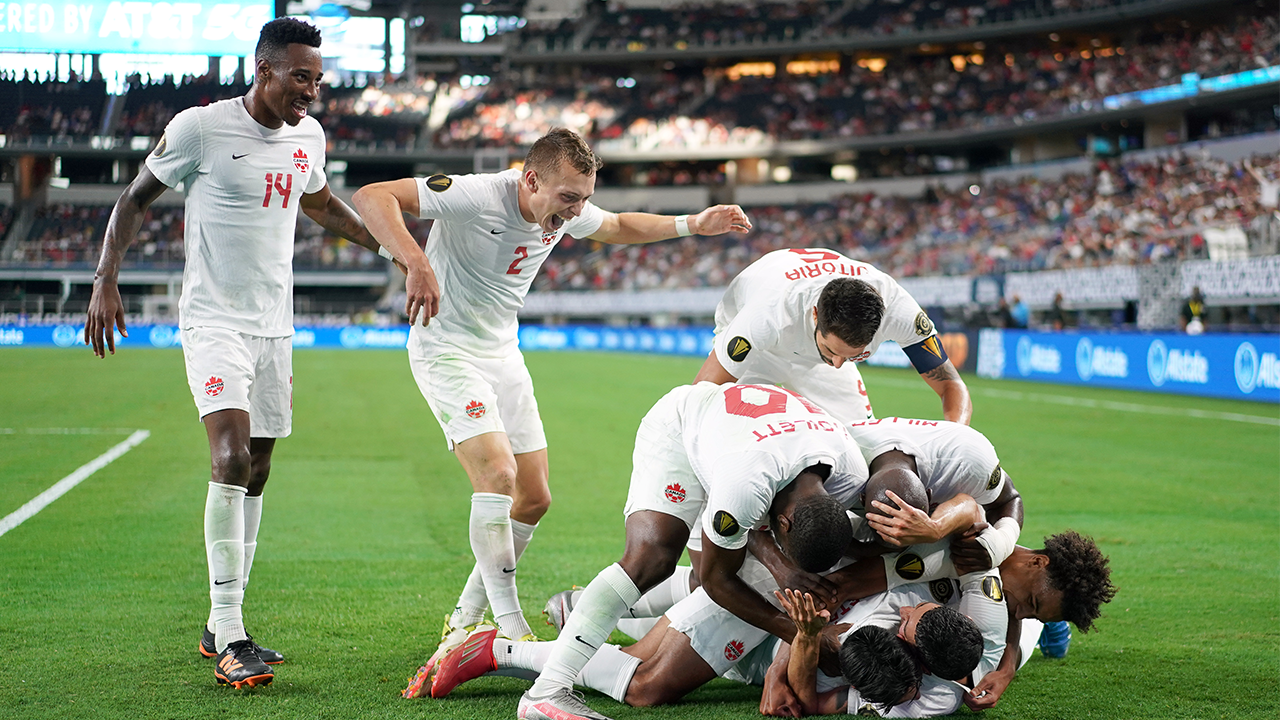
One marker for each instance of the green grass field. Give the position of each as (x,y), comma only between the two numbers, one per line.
(364,541)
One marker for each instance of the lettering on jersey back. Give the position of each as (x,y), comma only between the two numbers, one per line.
(281,183)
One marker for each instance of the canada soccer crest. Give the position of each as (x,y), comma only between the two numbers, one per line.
(300,161)
(213,387)
(549,237)
(733,650)
(675,493)
(475,409)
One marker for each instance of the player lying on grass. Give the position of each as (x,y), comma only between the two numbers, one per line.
(491,234)
(236,311)
(926,464)
(740,457)
(1068,579)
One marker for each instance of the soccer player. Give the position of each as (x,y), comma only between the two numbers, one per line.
(738,456)
(491,234)
(803,318)
(247,165)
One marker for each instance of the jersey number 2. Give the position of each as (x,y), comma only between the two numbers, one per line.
(522,252)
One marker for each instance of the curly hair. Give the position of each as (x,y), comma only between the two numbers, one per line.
(850,309)
(279,34)
(1079,570)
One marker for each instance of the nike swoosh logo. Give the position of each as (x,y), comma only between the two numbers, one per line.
(505,570)
(224,582)
(497,232)
(237,157)
(584,642)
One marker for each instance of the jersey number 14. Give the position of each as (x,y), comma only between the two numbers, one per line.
(281,183)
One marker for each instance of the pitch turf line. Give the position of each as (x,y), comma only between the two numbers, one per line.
(60,488)
(1102,404)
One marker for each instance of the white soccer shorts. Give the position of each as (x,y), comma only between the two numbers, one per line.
(228,370)
(662,479)
(472,396)
(719,637)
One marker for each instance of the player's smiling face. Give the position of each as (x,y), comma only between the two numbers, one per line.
(556,198)
(290,86)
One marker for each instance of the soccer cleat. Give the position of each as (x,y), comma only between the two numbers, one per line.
(1055,638)
(239,665)
(565,704)
(559,607)
(450,638)
(420,679)
(468,661)
(209,648)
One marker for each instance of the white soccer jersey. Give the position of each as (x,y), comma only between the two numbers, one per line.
(747,442)
(485,257)
(951,458)
(980,596)
(244,184)
(765,326)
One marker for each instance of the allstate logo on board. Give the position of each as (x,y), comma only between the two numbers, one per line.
(161,336)
(351,337)
(1246,368)
(1100,360)
(1024,355)
(1157,362)
(1254,371)
(64,335)
(1084,359)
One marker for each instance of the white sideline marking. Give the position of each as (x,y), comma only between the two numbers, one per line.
(66,431)
(1104,404)
(60,488)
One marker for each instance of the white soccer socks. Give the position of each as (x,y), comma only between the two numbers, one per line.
(252,521)
(224,526)
(493,543)
(609,671)
(657,601)
(473,601)
(604,600)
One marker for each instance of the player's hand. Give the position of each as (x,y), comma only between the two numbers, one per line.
(800,608)
(987,693)
(902,525)
(823,590)
(422,293)
(106,312)
(777,698)
(967,554)
(720,219)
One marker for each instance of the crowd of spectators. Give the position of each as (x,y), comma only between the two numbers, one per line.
(1123,212)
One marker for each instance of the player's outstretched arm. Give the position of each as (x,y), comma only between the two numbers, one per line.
(987,692)
(719,574)
(802,668)
(633,228)
(382,205)
(333,215)
(106,311)
(946,381)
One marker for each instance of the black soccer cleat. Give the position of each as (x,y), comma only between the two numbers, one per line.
(240,666)
(209,648)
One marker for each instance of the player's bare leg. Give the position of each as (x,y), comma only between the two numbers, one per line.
(497,479)
(671,671)
(654,543)
(231,462)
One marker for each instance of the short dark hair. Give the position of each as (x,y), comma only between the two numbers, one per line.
(851,310)
(949,643)
(904,483)
(879,665)
(1079,570)
(820,533)
(279,34)
(559,146)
